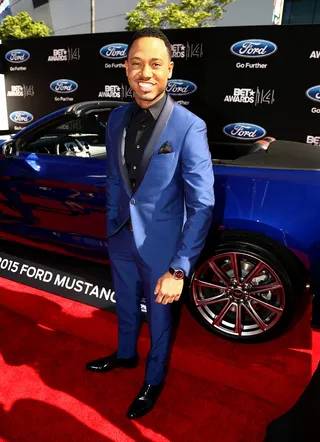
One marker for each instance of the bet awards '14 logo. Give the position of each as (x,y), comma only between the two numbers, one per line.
(244,131)
(69,54)
(313,140)
(21,91)
(110,91)
(122,91)
(315,54)
(251,96)
(188,50)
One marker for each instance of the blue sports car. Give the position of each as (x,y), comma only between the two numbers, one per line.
(261,252)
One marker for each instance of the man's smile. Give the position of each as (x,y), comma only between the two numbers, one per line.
(145,86)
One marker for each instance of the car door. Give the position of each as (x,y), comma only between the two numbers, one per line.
(53,192)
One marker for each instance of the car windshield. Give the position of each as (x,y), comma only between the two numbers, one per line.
(92,125)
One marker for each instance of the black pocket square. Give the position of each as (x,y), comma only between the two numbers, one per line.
(165,148)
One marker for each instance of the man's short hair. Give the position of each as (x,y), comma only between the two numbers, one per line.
(151,32)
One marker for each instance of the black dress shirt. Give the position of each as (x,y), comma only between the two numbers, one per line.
(138,133)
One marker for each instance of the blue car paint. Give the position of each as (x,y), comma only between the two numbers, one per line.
(280,204)
(68,195)
(67,191)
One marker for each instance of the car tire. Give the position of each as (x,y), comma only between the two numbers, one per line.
(255,308)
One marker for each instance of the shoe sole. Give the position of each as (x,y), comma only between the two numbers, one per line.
(93,370)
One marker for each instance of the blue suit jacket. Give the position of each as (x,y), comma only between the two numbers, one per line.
(171,206)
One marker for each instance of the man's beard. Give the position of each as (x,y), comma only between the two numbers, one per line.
(143,98)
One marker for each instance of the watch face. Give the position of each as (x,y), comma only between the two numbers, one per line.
(179,274)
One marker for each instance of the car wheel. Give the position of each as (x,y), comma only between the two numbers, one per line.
(246,290)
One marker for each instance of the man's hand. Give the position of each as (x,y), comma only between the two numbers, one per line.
(168,289)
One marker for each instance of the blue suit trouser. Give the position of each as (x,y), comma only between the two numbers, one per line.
(133,278)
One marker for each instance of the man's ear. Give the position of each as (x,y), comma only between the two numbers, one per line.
(127,67)
(171,64)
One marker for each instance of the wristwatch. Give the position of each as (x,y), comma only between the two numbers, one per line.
(178,274)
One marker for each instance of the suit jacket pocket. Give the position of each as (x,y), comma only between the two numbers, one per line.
(162,168)
(163,157)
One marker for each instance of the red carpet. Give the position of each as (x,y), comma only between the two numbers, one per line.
(216,390)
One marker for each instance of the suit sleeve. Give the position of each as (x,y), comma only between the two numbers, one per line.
(198,179)
(112,184)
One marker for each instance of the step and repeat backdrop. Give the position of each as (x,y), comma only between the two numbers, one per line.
(245,82)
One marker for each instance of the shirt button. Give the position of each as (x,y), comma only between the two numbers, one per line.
(143,126)
(138,147)
(134,167)
(132,201)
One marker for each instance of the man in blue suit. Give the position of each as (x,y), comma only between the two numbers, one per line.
(160,200)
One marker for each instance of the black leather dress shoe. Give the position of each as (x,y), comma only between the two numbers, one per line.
(145,401)
(103,365)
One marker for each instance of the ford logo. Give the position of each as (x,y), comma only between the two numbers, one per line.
(244,131)
(181,87)
(17,56)
(64,86)
(314,93)
(21,117)
(114,50)
(254,48)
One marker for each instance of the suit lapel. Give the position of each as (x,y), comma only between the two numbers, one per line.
(156,134)
(121,147)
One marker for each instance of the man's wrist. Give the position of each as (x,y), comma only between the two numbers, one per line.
(178,274)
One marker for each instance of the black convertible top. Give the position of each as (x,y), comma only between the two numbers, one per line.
(280,154)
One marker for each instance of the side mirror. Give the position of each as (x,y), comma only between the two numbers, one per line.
(9,149)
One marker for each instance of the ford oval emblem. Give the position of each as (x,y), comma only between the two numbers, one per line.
(244,131)
(114,51)
(63,86)
(314,93)
(181,87)
(21,117)
(17,56)
(254,48)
